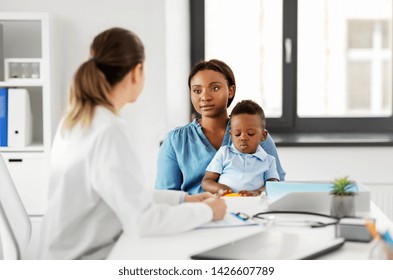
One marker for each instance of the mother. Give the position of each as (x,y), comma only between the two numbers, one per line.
(186,151)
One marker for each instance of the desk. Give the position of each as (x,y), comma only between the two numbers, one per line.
(183,245)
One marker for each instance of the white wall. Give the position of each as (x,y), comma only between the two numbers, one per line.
(369,165)
(165,101)
(162,26)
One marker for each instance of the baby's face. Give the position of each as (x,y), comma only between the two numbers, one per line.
(247,132)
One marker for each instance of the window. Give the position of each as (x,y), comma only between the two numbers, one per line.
(369,64)
(313,65)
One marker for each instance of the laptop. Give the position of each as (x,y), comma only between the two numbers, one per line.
(272,245)
(310,196)
(276,190)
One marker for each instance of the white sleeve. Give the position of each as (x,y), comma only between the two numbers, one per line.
(165,219)
(116,177)
(168,196)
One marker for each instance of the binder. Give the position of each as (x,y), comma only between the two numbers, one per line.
(3,117)
(20,118)
(2,77)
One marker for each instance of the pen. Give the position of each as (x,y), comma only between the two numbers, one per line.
(387,238)
(371,229)
(238,215)
(373,232)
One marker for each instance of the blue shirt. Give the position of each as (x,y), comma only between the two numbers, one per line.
(241,171)
(185,154)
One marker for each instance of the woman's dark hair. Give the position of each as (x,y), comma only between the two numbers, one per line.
(249,107)
(217,66)
(114,53)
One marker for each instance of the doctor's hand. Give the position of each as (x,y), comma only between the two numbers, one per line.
(218,206)
(197,197)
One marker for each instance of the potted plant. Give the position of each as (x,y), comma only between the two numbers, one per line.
(343,198)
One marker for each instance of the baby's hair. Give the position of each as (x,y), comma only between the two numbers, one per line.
(249,107)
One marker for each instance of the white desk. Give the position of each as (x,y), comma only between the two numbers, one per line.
(183,245)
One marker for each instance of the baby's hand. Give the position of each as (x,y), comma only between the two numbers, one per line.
(248,193)
(222,192)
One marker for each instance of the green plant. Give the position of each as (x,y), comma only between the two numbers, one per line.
(342,187)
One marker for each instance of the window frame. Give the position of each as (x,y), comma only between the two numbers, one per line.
(289,122)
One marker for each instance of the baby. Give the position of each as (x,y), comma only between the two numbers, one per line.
(242,167)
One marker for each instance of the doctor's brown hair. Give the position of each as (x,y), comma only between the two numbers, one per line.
(114,53)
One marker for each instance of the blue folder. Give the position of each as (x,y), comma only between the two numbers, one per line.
(3,117)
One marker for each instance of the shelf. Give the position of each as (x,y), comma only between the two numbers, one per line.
(24,16)
(23,83)
(34,147)
(25,39)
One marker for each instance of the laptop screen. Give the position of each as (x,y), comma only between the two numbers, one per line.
(276,190)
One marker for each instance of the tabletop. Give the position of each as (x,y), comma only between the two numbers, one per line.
(184,245)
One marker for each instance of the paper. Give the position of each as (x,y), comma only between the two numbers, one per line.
(230,220)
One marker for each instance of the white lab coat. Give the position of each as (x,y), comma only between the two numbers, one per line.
(97,191)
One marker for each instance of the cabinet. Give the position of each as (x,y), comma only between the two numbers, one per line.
(24,43)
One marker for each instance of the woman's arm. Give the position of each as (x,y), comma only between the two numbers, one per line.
(169,175)
(210,184)
(271,174)
(270,148)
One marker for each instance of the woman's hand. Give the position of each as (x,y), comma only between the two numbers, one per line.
(197,197)
(218,206)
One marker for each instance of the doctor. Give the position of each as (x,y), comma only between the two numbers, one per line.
(96,191)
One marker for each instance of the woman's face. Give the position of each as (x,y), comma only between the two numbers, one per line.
(210,93)
(139,82)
